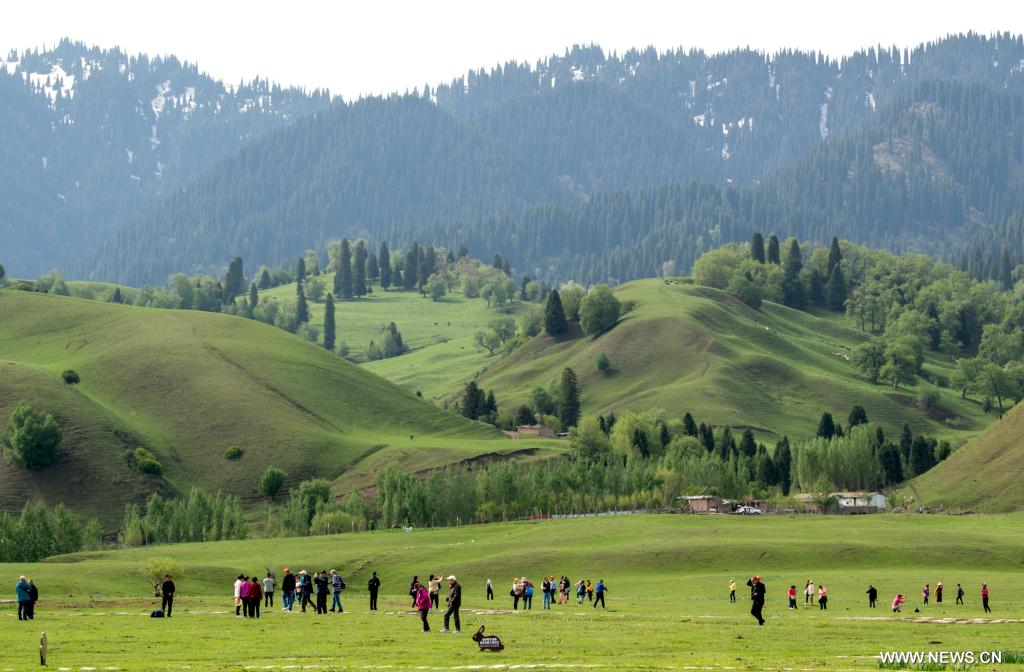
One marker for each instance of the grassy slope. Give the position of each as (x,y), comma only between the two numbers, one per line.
(983,475)
(187,385)
(687,348)
(667,605)
(439,333)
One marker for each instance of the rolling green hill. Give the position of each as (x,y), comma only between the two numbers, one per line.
(187,385)
(688,348)
(984,475)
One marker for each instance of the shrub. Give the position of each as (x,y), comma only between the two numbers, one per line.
(147,463)
(32,438)
(928,399)
(602,363)
(271,482)
(233,453)
(599,310)
(71,377)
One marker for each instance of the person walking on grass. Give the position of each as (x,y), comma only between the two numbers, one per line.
(581,590)
(414,589)
(454,601)
(599,590)
(938,593)
(959,594)
(566,584)
(732,590)
(822,598)
(238,597)
(984,598)
(792,597)
(757,591)
(243,595)
(24,599)
(898,602)
(373,585)
(516,592)
(527,594)
(926,592)
(809,593)
(545,587)
(872,596)
(167,595)
(490,590)
(422,603)
(337,585)
(590,591)
(268,591)
(255,597)
(287,590)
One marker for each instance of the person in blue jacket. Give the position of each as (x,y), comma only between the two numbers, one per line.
(24,594)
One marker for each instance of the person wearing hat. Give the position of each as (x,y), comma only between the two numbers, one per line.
(757,591)
(454,601)
(938,593)
(287,590)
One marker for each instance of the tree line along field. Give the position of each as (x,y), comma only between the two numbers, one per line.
(668,602)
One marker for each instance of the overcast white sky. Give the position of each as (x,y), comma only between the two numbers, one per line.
(386,45)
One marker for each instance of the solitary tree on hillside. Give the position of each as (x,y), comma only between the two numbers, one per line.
(826,426)
(233,280)
(116,296)
(773,250)
(272,481)
(569,398)
(554,316)
(343,287)
(599,310)
(329,329)
(757,247)
(300,270)
(384,261)
(254,296)
(359,270)
(301,307)
(858,416)
(32,438)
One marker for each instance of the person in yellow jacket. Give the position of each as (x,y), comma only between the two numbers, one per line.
(590,590)
(732,590)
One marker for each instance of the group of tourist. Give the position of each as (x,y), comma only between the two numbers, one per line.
(819,596)
(427,597)
(553,591)
(28,595)
(311,590)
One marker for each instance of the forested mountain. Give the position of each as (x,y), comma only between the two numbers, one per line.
(599,166)
(89,137)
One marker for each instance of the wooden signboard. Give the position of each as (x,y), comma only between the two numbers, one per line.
(488,643)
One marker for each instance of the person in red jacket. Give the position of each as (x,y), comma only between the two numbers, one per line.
(792,597)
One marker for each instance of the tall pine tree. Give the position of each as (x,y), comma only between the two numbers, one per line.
(384,261)
(343,283)
(757,247)
(359,270)
(569,399)
(301,307)
(773,250)
(329,326)
(234,280)
(793,294)
(554,315)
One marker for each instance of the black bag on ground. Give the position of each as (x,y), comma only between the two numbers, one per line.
(157,613)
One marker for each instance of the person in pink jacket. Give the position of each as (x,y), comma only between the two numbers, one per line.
(898,602)
(423,604)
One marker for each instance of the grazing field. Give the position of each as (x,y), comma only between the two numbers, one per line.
(188,385)
(668,602)
(688,348)
(984,475)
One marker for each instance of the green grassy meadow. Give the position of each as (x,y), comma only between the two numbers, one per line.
(689,348)
(667,602)
(187,385)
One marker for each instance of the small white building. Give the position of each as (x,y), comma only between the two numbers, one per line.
(874,500)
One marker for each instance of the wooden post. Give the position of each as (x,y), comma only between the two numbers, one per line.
(42,649)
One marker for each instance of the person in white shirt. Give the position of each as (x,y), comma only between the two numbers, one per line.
(268,591)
